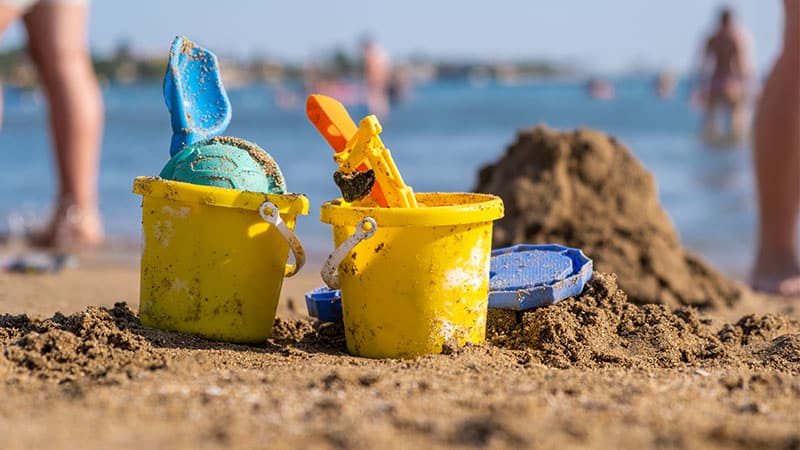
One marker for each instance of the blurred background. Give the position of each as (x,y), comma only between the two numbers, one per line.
(464,78)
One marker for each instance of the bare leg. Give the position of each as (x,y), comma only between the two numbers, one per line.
(710,125)
(738,121)
(378,102)
(737,103)
(777,164)
(7,16)
(58,46)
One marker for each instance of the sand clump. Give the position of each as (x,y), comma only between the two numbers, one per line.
(594,371)
(598,329)
(99,344)
(601,328)
(308,336)
(585,189)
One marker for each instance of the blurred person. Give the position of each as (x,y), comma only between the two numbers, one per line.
(600,89)
(665,84)
(399,86)
(57,42)
(777,166)
(724,76)
(377,77)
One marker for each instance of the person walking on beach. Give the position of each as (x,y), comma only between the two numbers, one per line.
(724,76)
(57,43)
(777,166)
(377,75)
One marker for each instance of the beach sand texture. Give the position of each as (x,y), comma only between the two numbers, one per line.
(624,365)
(586,189)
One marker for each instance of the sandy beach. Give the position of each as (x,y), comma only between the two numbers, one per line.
(663,353)
(116,384)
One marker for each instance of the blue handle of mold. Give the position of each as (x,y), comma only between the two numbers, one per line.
(198,105)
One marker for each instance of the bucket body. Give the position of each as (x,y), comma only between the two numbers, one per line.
(211,265)
(422,280)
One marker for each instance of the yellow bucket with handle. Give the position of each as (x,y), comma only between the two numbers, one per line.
(214,259)
(412,279)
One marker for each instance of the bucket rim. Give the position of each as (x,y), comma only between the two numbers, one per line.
(157,187)
(472,208)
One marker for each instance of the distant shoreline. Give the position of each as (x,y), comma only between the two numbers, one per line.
(123,66)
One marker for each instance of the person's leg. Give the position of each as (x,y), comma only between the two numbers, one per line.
(736,104)
(777,165)
(711,129)
(8,15)
(58,45)
(738,129)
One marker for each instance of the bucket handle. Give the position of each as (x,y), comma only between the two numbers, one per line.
(269,212)
(330,270)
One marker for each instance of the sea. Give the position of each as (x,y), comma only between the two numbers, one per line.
(440,136)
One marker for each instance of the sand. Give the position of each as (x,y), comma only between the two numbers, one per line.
(585,189)
(607,369)
(591,372)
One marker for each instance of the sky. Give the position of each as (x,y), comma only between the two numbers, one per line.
(604,36)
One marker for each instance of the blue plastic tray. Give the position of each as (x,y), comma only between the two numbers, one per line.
(529,276)
(325,304)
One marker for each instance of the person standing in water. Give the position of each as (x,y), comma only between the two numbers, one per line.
(58,46)
(776,153)
(724,77)
(377,76)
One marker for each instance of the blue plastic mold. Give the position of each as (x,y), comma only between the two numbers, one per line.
(227,163)
(529,276)
(325,304)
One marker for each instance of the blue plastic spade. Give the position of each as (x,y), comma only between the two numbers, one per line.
(198,105)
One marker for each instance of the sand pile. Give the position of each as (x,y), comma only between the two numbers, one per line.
(601,328)
(110,345)
(98,343)
(308,336)
(585,189)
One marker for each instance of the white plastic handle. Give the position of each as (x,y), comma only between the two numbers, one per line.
(330,270)
(269,212)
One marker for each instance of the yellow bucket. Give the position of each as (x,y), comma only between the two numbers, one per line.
(412,279)
(214,259)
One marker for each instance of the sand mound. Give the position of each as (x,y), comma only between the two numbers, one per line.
(308,336)
(601,328)
(98,343)
(584,189)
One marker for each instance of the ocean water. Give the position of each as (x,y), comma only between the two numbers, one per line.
(439,139)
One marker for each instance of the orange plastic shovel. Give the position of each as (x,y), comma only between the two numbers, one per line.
(337,127)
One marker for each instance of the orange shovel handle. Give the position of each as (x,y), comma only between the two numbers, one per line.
(331,120)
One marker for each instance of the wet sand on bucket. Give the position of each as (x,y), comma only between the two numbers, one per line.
(624,365)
